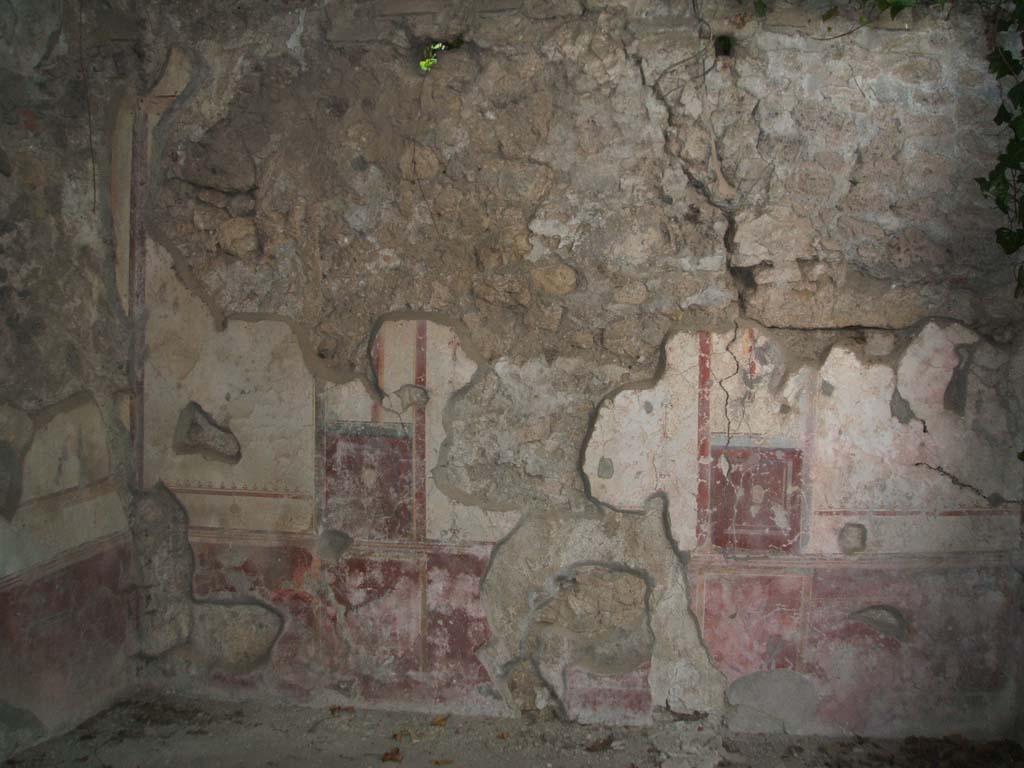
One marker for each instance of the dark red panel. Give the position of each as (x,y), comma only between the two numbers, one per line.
(68,637)
(369,480)
(755,498)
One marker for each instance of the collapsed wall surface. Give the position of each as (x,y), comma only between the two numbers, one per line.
(592,369)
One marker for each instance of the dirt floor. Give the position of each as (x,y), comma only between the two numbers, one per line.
(172,731)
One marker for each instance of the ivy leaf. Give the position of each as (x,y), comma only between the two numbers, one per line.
(1002,63)
(831,13)
(1018,126)
(761,8)
(1011,240)
(1003,115)
(897,6)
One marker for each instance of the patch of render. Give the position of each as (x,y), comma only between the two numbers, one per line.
(526,577)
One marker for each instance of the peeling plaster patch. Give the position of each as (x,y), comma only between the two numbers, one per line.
(197,432)
(955,397)
(853,538)
(233,638)
(525,572)
(294,43)
(884,618)
(331,545)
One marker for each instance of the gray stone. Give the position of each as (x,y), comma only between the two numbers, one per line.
(162,567)
(777,701)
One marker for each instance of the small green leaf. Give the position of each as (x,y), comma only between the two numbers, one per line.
(831,13)
(761,8)
(1002,63)
(1020,282)
(1011,240)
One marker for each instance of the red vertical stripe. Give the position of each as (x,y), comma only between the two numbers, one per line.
(378,366)
(420,501)
(420,436)
(137,291)
(703,437)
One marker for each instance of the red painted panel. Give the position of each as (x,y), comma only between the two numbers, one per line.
(382,623)
(752,621)
(957,654)
(68,637)
(755,498)
(613,699)
(456,622)
(369,480)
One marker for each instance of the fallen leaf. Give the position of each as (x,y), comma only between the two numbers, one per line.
(392,756)
(398,735)
(503,735)
(440,720)
(337,709)
(601,744)
(443,762)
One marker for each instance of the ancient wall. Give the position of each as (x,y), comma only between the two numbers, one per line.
(598,368)
(67,607)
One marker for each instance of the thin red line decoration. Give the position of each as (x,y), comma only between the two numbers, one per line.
(1006,511)
(378,367)
(419,517)
(74,495)
(420,437)
(319,451)
(714,563)
(65,559)
(239,492)
(137,294)
(703,438)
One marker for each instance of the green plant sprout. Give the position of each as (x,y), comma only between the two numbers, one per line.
(428,57)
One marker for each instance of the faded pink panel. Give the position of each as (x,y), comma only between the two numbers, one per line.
(755,497)
(383,615)
(456,623)
(68,637)
(369,480)
(610,699)
(752,622)
(953,664)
